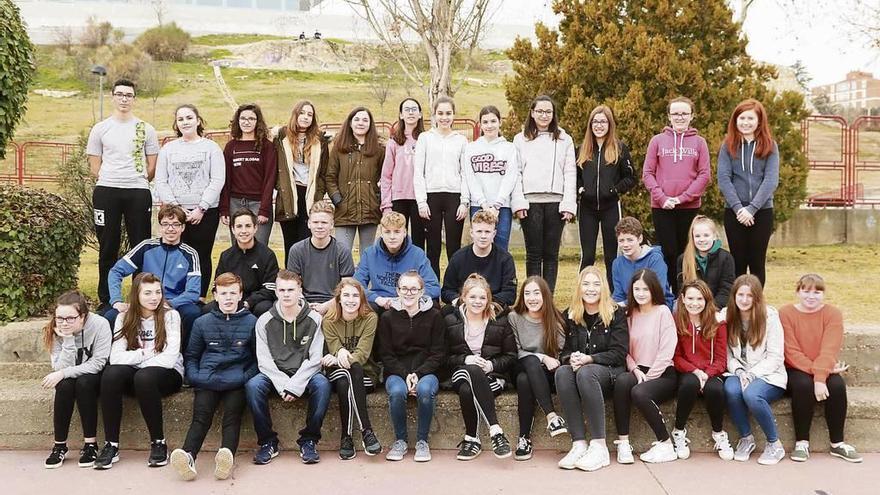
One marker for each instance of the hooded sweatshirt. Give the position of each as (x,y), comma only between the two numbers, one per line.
(677,166)
(146,354)
(549,170)
(84,353)
(378,270)
(221,354)
(289,352)
(748,181)
(600,184)
(412,344)
(397,172)
(356,337)
(257,267)
(438,164)
(693,352)
(492,172)
(623,269)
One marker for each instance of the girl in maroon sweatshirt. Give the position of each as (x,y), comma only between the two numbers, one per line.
(701,359)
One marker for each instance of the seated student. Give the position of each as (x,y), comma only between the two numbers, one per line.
(635,256)
(218,362)
(349,329)
(79,344)
(320,259)
(253,262)
(484,257)
(145,361)
(392,254)
(480,350)
(704,259)
(813,338)
(174,263)
(755,368)
(411,345)
(290,345)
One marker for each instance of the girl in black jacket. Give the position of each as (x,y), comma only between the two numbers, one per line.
(596,344)
(481,349)
(706,260)
(605,172)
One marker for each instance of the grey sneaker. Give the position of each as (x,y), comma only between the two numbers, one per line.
(744,448)
(773,453)
(801,452)
(423,452)
(846,452)
(397,451)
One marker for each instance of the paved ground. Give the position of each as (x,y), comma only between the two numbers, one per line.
(23,473)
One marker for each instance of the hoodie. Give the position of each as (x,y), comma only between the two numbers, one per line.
(257,267)
(356,337)
(412,344)
(221,354)
(177,265)
(747,181)
(84,353)
(693,352)
(600,184)
(289,352)
(623,269)
(378,270)
(396,181)
(146,355)
(677,166)
(438,164)
(549,169)
(491,170)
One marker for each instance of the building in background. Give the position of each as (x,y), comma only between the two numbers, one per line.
(859,93)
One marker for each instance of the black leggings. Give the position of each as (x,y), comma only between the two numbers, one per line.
(201,238)
(443,206)
(713,396)
(476,395)
(646,396)
(803,401)
(205,403)
(748,245)
(589,221)
(111,205)
(148,385)
(533,383)
(671,229)
(352,389)
(82,391)
(410,210)
(297,228)
(542,233)
(583,392)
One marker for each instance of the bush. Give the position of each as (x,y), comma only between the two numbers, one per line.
(168,43)
(41,245)
(96,33)
(77,184)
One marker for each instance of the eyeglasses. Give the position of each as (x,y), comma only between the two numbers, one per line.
(411,110)
(545,113)
(409,290)
(124,96)
(680,115)
(599,122)
(175,225)
(247,119)
(66,319)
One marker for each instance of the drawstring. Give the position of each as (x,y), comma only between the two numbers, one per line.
(743,157)
(694,344)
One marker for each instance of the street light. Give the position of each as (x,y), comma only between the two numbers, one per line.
(100,71)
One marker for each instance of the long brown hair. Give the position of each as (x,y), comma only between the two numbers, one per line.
(708,323)
(73,298)
(757,316)
(131,325)
(763,136)
(261,132)
(334,313)
(607,306)
(312,132)
(399,132)
(649,277)
(530,128)
(345,141)
(689,259)
(611,145)
(551,319)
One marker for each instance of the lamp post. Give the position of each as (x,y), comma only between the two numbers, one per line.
(100,71)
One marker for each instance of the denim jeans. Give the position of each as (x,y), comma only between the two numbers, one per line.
(755,399)
(426,391)
(259,388)
(505,221)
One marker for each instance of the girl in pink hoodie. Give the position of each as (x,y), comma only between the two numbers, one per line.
(396,183)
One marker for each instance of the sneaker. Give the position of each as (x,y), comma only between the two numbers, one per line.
(597,457)
(801,452)
(624,452)
(158,454)
(423,452)
(88,454)
(744,448)
(308,452)
(224,461)
(523,449)
(556,426)
(722,445)
(501,446)
(846,452)
(346,448)
(266,453)
(773,453)
(56,457)
(469,450)
(397,451)
(109,454)
(659,452)
(571,458)
(183,462)
(371,443)
(680,442)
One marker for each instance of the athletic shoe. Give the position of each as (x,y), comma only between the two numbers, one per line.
(744,448)
(371,443)
(109,454)
(423,452)
(266,453)
(308,452)
(469,450)
(801,452)
(624,452)
(659,452)
(597,457)
(346,448)
(557,426)
(680,441)
(183,462)
(773,453)
(397,451)
(568,462)
(722,446)
(523,449)
(88,454)
(158,454)
(500,446)
(224,461)
(56,457)
(846,452)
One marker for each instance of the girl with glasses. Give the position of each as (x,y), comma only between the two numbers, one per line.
(396,184)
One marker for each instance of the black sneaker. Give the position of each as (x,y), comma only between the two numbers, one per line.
(500,446)
(266,453)
(371,443)
(158,454)
(109,454)
(88,454)
(56,457)
(557,426)
(346,448)
(523,449)
(468,450)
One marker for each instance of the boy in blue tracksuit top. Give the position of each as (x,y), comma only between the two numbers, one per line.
(220,359)
(634,256)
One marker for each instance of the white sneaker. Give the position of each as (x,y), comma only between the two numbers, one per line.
(224,461)
(773,453)
(183,463)
(659,452)
(680,442)
(597,457)
(624,452)
(570,459)
(722,446)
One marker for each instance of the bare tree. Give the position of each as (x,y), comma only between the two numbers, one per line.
(380,79)
(160,8)
(64,38)
(153,80)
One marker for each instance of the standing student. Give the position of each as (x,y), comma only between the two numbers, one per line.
(439,184)
(605,172)
(676,173)
(219,360)
(353,172)
(481,350)
(79,345)
(301,150)
(755,368)
(122,153)
(651,378)
(539,330)
(349,331)
(748,173)
(491,170)
(813,338)
(635,256)
(596,343)
(704,259)
(549,178)
(145,361)
(190,173)
(251,170)
(701,359)
(396,184)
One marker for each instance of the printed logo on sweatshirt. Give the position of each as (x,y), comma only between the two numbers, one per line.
(388,279)
(305,340)
(255,267)
(680,152)
(487,164)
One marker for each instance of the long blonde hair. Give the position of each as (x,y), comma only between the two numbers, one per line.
(689,259)
(607,306)
(611,144)
(477,281)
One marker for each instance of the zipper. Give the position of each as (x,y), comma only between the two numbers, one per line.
(598,159)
